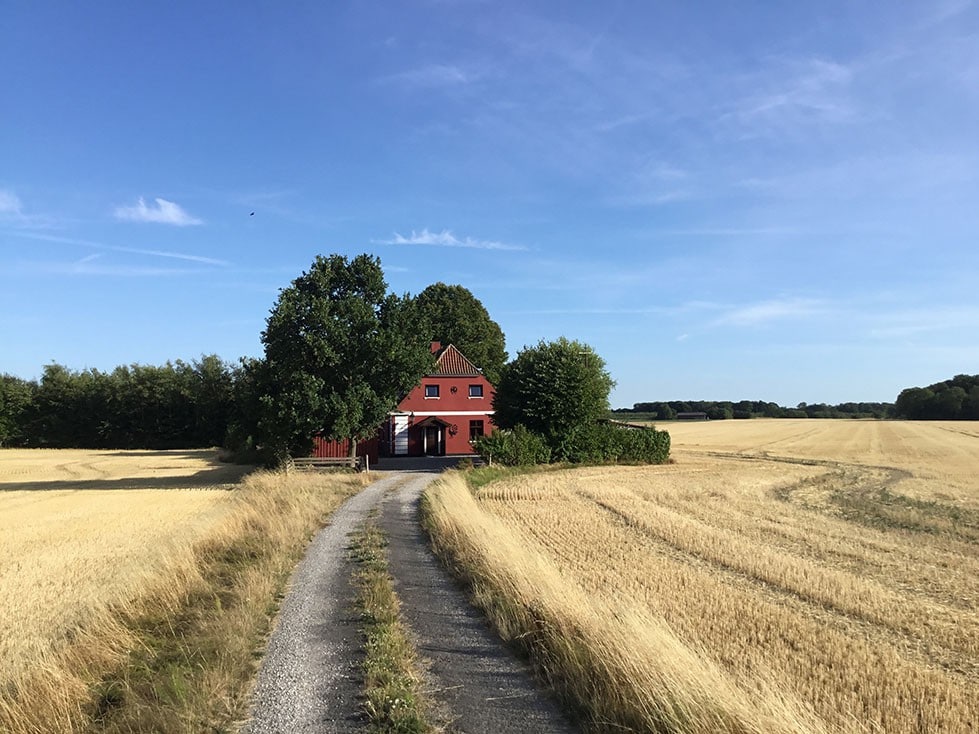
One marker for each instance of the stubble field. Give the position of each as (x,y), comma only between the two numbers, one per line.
(789,575)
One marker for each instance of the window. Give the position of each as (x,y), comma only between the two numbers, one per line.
(475,430)
(431,391)
(475,391)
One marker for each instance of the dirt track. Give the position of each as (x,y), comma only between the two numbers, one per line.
(309,678)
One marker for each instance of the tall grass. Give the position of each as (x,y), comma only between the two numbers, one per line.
(179,652)
(871,629)
(616,663)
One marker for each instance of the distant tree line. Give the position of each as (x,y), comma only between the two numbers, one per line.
(726,409)
(340,349)
(177,405)
(955,399)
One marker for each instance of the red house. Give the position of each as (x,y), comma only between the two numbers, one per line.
(444,412)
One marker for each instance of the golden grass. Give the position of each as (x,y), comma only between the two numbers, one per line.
(141,609)
(777,573)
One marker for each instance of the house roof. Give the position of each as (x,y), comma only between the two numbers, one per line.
(453,363)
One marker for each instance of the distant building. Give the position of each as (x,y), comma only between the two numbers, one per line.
(440,416)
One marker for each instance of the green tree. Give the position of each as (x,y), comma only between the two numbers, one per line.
(913,402)
(453,315)
(553,389)
(339,354)
(16,398)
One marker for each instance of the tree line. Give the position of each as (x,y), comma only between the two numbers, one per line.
(340,350)
(726,409)
(176,405)
(954,399)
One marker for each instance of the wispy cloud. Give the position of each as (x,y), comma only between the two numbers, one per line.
(203,260)
(86,267)
(431,75)
(766,312)
(445,238)
(725,231)
(165,212)
(913,322)
(10,204)
(787,96)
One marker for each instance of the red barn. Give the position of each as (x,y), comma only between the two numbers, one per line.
(444,412)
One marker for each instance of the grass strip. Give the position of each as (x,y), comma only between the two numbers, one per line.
(393,699)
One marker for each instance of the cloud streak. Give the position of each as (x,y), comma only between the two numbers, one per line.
(165,212)
(766,312)
(201,259)
(445,238)
(9,203)
(430,76)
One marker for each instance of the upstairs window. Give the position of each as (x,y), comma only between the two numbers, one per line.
(431,391)
(475,391)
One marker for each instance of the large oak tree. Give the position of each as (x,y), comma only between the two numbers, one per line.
(453,315)
(340,351)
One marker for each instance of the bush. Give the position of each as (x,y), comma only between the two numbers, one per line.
(513,447)
(602,443)
(597,443)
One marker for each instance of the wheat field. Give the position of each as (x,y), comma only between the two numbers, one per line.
(136,587)
(828,567)
(83,531)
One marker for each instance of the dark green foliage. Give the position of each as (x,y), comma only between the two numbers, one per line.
(955,399)
(178,405)
(515,446)
(552,389)
(453,315)
(339,354)
(605,443)
(16,398)
(250,384)
(725,409)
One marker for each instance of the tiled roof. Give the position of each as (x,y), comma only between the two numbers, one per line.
(452,362)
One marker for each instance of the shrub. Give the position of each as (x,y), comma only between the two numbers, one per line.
(603,443)
(517,446)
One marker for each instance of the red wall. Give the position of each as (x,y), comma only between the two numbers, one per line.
(329,449)
(454,408)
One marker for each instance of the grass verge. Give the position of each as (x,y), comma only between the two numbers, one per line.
(392,690)
(184,655)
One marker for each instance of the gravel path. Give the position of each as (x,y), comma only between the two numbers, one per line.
(309,682)
(485,689)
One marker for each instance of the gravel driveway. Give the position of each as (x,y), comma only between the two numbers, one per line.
(309,681)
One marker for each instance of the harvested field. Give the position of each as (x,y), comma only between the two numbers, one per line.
(72,544)
(819,575)
(135,586)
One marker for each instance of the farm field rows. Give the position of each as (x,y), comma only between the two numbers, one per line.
(827,571)
(81,531)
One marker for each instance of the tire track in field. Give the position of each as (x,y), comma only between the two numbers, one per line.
(926,652)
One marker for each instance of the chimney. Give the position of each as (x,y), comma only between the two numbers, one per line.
(436,347)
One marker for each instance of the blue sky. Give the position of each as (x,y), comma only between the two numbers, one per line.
(757,200)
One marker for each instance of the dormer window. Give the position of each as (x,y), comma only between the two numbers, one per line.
(431,391)
(475,391)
